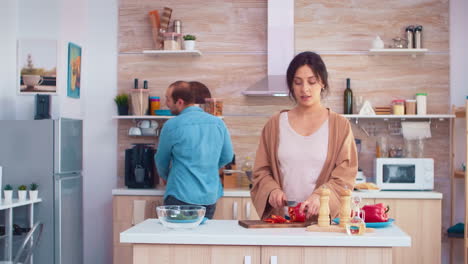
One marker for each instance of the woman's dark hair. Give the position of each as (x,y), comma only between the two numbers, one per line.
(181,90)
(199,91)
(316,64)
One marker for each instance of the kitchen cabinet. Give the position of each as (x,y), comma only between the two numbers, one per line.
(230,208)
(224,241)
(123,220)
(249,211)
(304,255)
(422,220)
(196,254)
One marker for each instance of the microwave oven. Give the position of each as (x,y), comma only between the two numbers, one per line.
(404,174)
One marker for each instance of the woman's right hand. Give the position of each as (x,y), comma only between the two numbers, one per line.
(277,198)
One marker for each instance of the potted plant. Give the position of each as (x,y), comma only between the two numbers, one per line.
(189,42)
(122,103)
(22,191)
(8,193)
(33,191)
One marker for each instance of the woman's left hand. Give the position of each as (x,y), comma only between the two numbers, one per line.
(311,206)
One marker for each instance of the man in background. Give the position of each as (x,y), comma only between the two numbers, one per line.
(192,147)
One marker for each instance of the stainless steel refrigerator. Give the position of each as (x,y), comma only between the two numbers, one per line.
(49,153)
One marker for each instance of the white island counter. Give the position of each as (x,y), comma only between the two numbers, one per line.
(224,241)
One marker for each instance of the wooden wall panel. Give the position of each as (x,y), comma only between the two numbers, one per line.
(352,25)
(218,25)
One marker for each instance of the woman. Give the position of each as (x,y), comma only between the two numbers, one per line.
(305,148)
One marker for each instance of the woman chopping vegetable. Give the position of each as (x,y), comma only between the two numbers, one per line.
(305,148)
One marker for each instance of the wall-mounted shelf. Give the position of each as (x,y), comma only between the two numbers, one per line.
(148,117)
(195,53)
(459,174)
(412,52)
(430,116)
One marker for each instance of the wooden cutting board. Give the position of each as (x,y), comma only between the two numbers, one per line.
(261,224)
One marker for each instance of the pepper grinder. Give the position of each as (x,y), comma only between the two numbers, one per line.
(324,211)
(345,212)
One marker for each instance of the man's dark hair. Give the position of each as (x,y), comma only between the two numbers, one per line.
(181,90)
(316,64)
(199,91)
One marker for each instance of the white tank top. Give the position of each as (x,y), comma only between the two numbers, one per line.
(301,159)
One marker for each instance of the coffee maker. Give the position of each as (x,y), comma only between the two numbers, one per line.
(140,171)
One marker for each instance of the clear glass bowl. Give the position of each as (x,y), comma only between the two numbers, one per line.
(181,216)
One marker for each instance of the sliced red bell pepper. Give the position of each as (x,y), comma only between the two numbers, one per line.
(296,214)
(375,213)
(276,219)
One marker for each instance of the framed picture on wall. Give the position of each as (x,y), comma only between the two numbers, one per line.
(37,66)
(74,70)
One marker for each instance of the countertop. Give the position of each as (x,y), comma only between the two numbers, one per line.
(228,232)
(246,193)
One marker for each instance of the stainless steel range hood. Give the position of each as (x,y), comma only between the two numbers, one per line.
(280,50)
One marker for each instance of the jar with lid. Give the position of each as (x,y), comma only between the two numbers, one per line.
(398,107)
(214,106)
(155,104)
(410,107)
(421,103)
(172,41)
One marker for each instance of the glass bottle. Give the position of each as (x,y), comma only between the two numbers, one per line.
(348,98)
(356,225)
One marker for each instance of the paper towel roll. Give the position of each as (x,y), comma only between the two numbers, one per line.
(416,130)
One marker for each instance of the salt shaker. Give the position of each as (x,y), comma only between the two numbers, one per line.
(418,37)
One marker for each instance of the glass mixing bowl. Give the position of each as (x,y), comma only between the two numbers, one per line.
(181,216)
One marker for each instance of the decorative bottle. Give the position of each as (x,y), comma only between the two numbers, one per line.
(348,98)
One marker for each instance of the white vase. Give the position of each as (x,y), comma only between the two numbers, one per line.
(22,195)
(8,195)
(189,44)
(33,194)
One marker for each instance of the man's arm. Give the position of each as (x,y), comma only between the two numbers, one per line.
(163,153)
(226,152)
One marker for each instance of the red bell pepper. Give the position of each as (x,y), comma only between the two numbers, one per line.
(276,219)
(375,213)
(296,214)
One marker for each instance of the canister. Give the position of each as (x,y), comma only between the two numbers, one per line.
(398,107)
(214,106)
(421,103)
(155,104)
(410,107)
(409,36)
(418,37)
(172,41)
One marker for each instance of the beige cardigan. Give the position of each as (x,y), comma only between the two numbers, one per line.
(339,169)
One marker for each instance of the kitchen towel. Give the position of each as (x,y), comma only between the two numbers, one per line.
(416,130)
(138,211)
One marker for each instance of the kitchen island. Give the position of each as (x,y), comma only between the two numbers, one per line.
(224,241)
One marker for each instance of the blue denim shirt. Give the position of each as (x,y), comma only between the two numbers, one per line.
(192,147)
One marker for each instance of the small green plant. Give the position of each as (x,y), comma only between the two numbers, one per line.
(8,187)
(33,186)
(121,99)
(22,188)
(190,37)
